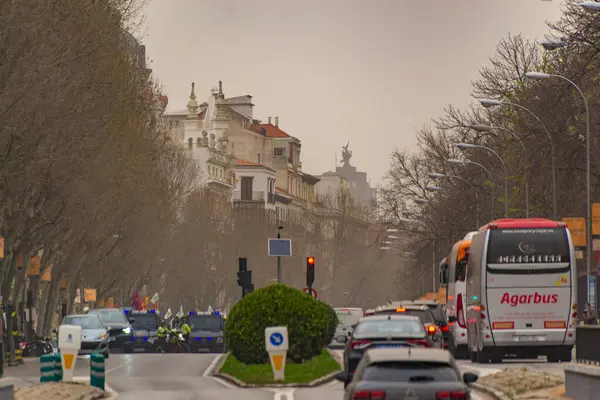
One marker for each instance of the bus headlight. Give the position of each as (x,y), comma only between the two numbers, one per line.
(127,330)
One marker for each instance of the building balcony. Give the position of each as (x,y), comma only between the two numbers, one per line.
(257,196)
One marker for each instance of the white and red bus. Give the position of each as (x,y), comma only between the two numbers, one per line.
(521,291)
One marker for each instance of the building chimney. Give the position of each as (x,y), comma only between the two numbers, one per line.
(277,122)
(269,120)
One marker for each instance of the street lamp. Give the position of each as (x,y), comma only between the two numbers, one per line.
(456,161)
(588,5)
(433,188)
(421,202)
(436,175)
(551,45)
(465,146)
(416,221)
(487,128)
(487,103)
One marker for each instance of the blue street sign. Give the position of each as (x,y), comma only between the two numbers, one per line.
(276,339)
(280,247)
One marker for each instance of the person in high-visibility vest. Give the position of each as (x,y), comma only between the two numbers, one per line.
(161,334)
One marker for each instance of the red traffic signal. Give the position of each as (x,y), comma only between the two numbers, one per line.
(310,261)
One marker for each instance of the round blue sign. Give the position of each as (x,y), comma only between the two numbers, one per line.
(276,339)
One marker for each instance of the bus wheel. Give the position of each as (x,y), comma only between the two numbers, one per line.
(461,352)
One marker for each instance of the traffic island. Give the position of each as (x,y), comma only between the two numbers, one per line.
(59,390)
(314,372)
(520,384)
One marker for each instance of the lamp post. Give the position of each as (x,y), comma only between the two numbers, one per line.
(466,146)
(487,128)
(435,175)
(456,161)
(487,103)
(590,6)
(588,177)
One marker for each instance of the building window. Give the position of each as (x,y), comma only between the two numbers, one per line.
(279,151)
(190,143)
(246,188)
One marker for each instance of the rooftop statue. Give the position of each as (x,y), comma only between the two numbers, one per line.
(346,154)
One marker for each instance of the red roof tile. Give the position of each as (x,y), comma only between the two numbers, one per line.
(271,130)
(244,163)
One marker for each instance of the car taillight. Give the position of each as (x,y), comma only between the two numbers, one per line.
(369,394)
(452,396)
(359,344)
(444,328)
(431,329)
(419,342)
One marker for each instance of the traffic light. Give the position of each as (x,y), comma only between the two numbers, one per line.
(310,272)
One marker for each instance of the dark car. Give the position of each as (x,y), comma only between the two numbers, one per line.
(437,310)
(94,336)
(207,332)
(421,311)
(145,326)
(118,326)
(409,373)
(382,331)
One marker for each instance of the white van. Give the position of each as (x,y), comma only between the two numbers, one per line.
(348,317)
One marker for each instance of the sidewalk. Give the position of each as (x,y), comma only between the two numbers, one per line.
(59,391)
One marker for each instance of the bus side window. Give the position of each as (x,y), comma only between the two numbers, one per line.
(461,270)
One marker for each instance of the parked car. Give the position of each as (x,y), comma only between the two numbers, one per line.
(407,373)
(383,331)
(118,326)
(94,335)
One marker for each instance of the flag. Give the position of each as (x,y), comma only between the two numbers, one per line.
(180,313)
(135,300)
(168,314)
(210,309)
(154,298)
(145,303)
(156,306)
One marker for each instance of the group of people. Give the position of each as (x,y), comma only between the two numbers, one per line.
(174,328)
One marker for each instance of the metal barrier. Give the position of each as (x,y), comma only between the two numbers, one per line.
(587,350)
(58,372)
(47,368)
(97,371)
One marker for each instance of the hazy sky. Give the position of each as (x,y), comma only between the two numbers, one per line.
(366,71)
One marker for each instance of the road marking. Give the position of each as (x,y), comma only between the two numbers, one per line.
(114,369)
(212,365)
(284,394)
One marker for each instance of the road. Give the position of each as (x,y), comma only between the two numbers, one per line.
(185,377)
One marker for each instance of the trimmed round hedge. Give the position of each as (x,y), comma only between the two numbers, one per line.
(311,324)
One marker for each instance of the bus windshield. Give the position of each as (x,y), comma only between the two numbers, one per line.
(528,249)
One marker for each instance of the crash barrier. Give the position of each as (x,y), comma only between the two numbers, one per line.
(582,378)
(587,338)
(97,370)
(47,368)
(50,368)
(58,371)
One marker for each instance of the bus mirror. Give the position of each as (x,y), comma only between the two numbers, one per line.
(444,274)
(452,319)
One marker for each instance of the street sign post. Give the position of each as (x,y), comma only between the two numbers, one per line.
(280,247)
(313,292)
(276,343)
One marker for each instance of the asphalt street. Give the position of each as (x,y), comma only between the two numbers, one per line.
(186,377)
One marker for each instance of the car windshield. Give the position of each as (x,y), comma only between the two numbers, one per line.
(144,322)
(348,317)
(411,372)
(212,323)
(437,312)
(387,326)
(108,317)
(85,322)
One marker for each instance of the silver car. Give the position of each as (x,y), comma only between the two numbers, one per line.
(94,336)
(408,373)
(348,318)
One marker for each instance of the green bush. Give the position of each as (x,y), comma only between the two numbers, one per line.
(310,323)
